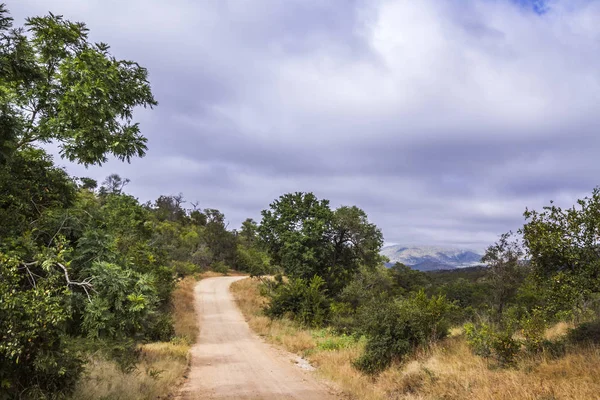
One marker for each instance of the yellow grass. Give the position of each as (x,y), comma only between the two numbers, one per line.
(448,370)
(162,365)
(184,315)
(161,368)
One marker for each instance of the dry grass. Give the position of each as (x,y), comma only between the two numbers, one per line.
(162,365)
(161,368)
(448,370)
(184,314)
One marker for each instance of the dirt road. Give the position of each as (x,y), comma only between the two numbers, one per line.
(231,362)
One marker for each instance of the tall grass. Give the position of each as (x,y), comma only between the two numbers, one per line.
(447,370)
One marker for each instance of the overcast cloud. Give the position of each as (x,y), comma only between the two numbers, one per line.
(443,120)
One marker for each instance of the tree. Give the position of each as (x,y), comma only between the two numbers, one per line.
(306,238)
(59,87)
(56,86)
(170,208)
(356,242)
(249,231)
(406,280)
(507,270)
(296,233)
(564,251)
(113,184)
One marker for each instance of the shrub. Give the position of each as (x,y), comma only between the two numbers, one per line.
(220,267)
(480,339)
(533,327)
(36,358)
(587,332)
(489,343)
(302,301)
(396,328)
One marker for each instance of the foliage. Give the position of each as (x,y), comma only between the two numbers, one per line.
(34,353)
(306,238)
(367,286)
(124,305)
(60,87)
(301,300)
(506,273)
(485,341)
(396,328)
(563,249)
(587,332)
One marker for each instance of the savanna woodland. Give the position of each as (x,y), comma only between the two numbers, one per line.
(95,286)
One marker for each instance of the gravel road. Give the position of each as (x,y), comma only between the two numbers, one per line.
(231,362)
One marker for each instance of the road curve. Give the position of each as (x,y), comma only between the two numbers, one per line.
(231,362)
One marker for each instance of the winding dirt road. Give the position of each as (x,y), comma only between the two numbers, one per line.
(231,362)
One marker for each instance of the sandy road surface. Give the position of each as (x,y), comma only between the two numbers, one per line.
(230,362)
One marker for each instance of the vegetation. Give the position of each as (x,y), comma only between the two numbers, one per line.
(95,285)
(88,274)
(447,369)
(382,320)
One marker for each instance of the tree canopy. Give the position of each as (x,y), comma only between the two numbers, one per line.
(59,87)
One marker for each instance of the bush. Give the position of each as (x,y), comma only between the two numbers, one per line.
(302,301)
(220,267)
(586,333)
(36,358)
(396,328)
(489,343)
(533,327)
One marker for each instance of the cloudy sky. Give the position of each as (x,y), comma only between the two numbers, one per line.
(442,119)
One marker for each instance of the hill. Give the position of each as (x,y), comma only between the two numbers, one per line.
(429,258)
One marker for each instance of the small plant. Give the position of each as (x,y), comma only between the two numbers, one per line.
(480,339)
(336,342)
(489,343)
(533,327)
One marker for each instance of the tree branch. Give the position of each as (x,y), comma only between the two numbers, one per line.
(85,284)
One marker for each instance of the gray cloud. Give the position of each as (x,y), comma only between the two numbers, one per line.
(443,120)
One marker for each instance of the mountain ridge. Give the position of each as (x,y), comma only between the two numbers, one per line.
(429,258)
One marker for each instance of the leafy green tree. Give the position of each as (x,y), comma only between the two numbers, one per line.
(356,242)
(60,87)
(563,248)
(33,315)
(169,208)
(296,232)
(56,86)
(249,232)
(306,238)
(30,185)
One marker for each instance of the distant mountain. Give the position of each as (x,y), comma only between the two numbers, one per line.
(429,258)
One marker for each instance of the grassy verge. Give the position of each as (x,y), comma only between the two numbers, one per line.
(447,370)
(162,365)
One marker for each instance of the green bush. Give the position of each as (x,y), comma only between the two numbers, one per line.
(220,267)
(480,338)
(302,301)
(124,305)
(585,333)
(35,356)
(396,328)
(487,342)
(533,327)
